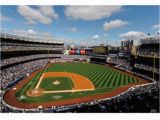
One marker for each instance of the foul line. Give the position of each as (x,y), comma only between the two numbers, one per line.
(40,79)
(73,82)
(64,91)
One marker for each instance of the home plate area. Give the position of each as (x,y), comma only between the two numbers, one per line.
(57,97)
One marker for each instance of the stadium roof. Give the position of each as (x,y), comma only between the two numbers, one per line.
(29,38)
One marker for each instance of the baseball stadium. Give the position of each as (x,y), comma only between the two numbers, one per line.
(42,75)
(63,82)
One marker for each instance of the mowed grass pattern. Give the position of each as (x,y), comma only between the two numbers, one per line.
(101,76)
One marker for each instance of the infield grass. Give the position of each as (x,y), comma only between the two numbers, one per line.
(65,83)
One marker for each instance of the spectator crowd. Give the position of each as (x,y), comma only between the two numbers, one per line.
(16,72)
(26,48)
(25,58)
(12,60)
(149,52)
(145,67)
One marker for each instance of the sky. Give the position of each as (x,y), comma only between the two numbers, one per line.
(82,25)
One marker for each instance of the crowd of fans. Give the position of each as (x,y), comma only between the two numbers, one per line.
(20,46)
(26,48)
(145,67)
(16,72)
(120,63)
(32,57)
(74,57)
(25,58)
(149,52)
(29,45)
(124,67)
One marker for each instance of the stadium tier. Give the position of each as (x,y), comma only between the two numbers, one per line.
(19,46)
(146,60)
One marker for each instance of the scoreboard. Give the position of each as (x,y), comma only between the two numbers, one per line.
(100,50)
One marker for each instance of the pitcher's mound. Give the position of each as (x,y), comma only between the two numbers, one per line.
(34,92)
(56,82)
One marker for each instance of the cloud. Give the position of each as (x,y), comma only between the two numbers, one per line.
(47,34)
(73,29)
(91,12)
(95,37)
(156,26)
(30,31)
(48,11)
(114,24)
(134,35)
(4,18)
(42,14)
(24,32)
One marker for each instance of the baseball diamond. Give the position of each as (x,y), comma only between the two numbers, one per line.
(73,82)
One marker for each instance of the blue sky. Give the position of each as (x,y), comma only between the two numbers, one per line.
(82,25)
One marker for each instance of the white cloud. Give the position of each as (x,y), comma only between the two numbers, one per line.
(3,17)
(95,37)
(73,29)
(48,11)
(47,34)
(134,35)
(91,12)
(30,31)
(156,26)
(24,32)
(33,15)
(114,24)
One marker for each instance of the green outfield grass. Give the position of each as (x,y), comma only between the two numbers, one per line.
(105,79)
(65,84)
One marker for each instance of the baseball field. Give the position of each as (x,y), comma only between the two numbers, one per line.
(69,83)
